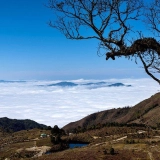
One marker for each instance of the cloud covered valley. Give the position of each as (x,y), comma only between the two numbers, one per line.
(60,102)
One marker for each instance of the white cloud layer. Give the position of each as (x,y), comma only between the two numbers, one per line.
(54,105)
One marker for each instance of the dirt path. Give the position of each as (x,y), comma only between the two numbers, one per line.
(150,155)
(116,140)
(41,150)
(95,137)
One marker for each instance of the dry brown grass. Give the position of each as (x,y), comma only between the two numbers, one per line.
(96,153)
(98,149)
(13,145)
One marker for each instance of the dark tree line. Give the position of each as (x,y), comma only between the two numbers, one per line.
(111,22)
(80,129)
(56,134)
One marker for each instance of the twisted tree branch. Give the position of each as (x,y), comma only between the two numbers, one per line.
(140,45)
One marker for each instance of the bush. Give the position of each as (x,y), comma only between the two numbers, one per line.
(112,151)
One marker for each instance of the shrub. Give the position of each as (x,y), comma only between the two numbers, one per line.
(112,151)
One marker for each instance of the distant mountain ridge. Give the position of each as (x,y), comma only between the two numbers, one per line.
(64,84)
(94,85)
(145,112)
(90,85)
(17,125)
(6,81)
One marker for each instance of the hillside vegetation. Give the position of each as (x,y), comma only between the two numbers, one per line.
(13,125)
(142,113)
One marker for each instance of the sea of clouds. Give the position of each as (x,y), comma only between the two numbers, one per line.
(57,105)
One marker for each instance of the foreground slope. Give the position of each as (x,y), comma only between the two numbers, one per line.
(145,112)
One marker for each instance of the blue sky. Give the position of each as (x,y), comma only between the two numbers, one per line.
(30,49)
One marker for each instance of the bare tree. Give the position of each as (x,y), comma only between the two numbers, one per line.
(151,61)
(110,22)
(152,15)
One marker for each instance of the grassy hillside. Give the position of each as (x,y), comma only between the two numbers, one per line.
(142,113)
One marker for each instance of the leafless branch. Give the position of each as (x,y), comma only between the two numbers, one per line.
(110,22)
